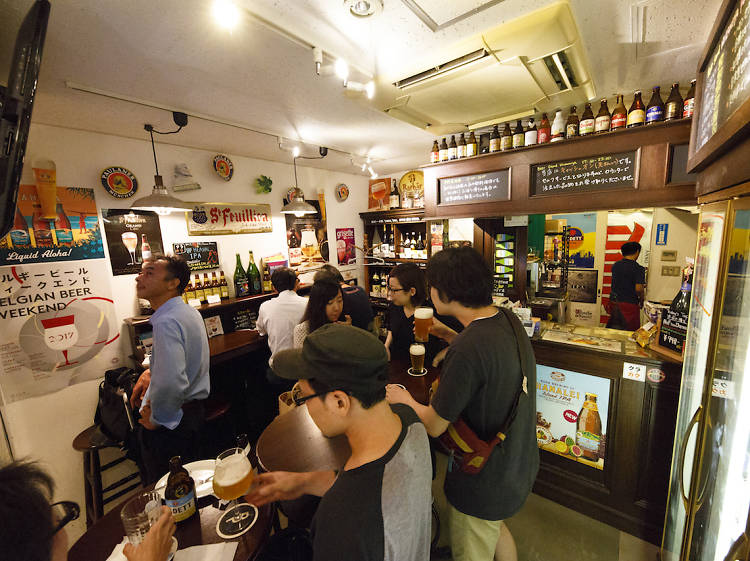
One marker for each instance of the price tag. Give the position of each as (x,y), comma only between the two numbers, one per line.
(194,302)
(214,299)
(635,372)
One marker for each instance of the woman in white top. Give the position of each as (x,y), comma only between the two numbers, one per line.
(324,306)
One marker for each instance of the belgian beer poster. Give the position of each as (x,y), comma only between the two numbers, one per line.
(345,250)
(59,326)
(307,238)
(132,236)
(571,417)
(53,224)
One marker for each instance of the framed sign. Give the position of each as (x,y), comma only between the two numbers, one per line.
(200,256)
(477,188)
(132,236)
(597,173)
(209,219)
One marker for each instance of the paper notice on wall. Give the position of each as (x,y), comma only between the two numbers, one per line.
(59,324)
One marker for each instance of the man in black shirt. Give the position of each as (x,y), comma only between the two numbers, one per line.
(628,289)
(356,301)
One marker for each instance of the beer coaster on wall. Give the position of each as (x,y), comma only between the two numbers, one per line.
(119,182)
(223,167)
(342,192)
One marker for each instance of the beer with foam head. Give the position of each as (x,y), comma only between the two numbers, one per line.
(422,324)
(416,352)
(232,476)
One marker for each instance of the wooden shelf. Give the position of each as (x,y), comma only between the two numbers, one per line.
(391,261)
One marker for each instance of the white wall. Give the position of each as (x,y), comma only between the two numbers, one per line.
(43,428)
(682,235)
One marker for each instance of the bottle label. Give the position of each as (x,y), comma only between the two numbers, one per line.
(452,153)
(543,136)
(506,143)
(674,111)
(689,105)
(182,507)
(636,117)
(65,237)
(588,441)
(443,154)
(471,150)
(654,114)
(571,130)
(530,138)
(434,157)
(518,140)
(587,126)
(619,120)
(558,135)
(20,238)
(494,144)
(461,151)
(601,124)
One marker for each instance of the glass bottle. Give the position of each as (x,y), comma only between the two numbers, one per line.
(601,124)
(267,284)
(145,248)
(518,135)
(655,109)
(587,121)
(189,293)
(544,133)
(19,235)
(200,293)
(223,286)
(253,276)
(471,146)
(620,114)
(443,153)
(571,126)
(495,140)
(375,285)
(394,200)
(435,153)
(675,104)
(461,146)
(63,231)
(689,103)
(637,112)
(240,279)
(506,140)
(452,148)
(531,134)
(180,492)
(215,285)
(557,132)
(589,429)
(42,230)
(383,286)
(681,302)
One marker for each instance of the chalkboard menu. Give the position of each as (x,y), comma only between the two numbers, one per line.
(479,188)
(678,166)
(597,173)
(673,330)
(726,78)
(200,256)
(244,319)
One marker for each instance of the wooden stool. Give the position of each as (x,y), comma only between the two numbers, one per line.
(90,442)
(219,432)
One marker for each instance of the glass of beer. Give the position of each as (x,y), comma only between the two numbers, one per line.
(233,476)
(416,353)
(422,324)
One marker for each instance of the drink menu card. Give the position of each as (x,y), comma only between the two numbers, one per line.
(199,255)
(598,173)
(673,330)
(481,187)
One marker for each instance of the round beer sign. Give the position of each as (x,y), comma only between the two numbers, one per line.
(119,182)
(223,167)
(342,192)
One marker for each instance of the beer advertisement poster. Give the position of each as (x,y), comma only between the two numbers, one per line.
(581,238)
(208,219)
(572,414)
(307,238)
(378,192)
(345,250)
(53,224)
(132,236)
(59,327)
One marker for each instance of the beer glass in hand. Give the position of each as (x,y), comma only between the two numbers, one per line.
(233,475)
(416,353)
(422,324)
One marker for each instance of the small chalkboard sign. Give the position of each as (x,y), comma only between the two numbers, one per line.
(673,330)
(244,319)
(598,173)
(479,188)
(200,256)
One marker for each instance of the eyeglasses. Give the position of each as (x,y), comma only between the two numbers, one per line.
(300,400)
(396,289)
(64,512)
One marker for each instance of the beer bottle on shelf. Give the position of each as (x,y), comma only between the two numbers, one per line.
(63,231)
(506,140)
(471,146)
(391,244)
(215,285)
(435,153)
(531,134)
(253,276)
(681,302)
(443,153)
(200,293)
(601,124)
(557,132)
(240,280)
(394,199)
(180,492)
(571,126)
(518,135)
(223,286)
(461,146)
(655,109)
(267,284)
(494,140)
(689,103)
(189,292)
(637,112)
(620,114)
(452,148)
(375,285)
(543,136)
(145,248)
(19,235)
(421,250)
(384,286)
(587,121)
(208,288)
(675,105)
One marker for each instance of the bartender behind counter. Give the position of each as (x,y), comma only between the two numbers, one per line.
(628,289)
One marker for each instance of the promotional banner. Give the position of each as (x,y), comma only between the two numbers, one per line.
(345,250)
(572,411)
(60,225)
(307,238)
(132,236)
(208,219)
(582,238)
(58,327)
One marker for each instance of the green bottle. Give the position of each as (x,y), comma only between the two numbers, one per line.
(240,280)
(253,276)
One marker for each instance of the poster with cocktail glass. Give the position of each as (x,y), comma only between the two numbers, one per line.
(132,236)
(52,223)
(307,238)
(572,411)
(59,326)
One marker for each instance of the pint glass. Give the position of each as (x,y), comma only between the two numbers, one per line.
(416,353)
(422,324)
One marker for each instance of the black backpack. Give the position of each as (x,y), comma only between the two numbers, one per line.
(111,413)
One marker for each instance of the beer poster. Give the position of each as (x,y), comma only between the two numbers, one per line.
(379,190)
(345,250)
(59,326)
(581,238)
(307,238)
(53,224)
(132,236)
(572,414)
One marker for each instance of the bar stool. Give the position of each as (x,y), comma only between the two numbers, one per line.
(90,442)
(219,431)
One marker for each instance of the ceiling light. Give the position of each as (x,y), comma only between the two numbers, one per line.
(297,205)
(295,152)
(364,8)
(226,14)
(373,175)
(342,70)
(368,89)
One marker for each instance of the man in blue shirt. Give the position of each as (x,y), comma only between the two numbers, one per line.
(171,393)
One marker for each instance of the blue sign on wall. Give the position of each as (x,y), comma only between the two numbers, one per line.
(661,234)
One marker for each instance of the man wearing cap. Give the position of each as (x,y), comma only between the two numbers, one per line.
(377,506)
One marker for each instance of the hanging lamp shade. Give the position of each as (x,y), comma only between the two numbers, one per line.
(297,205)
(160,200)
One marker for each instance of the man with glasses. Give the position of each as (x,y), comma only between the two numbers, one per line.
(377,506)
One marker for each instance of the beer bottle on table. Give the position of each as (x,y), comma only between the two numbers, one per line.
(619,115)
(637,112)
(557,132)
(494,140)
(587,121)
(253,276)
(531,134)
(601,124)
(655,109)
(689,103)
(435,153)
(675,105)
(471,146)
(571,126)
(180,492)
(518,135)
(241,287)
(506,141)
(453,148)
(461,146)
(543,134)
(223,286)
(443,153)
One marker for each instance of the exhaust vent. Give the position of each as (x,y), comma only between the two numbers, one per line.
(441,69)
(562,72)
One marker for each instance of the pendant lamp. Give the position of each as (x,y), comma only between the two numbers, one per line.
(297,206)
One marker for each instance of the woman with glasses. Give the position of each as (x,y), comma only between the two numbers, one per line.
(324,305)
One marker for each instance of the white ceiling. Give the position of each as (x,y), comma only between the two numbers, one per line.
(261,76)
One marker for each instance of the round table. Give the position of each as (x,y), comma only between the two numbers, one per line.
(102,537)
(293,442)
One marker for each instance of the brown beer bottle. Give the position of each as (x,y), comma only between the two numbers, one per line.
(267,284)
(495,140)
(674,105)
(655,109)
(619,115)
(589,429)
(223,286)
(544,128)
(215,286)
(199,292)
(506,141)
(587,121)
(207,288)
(571,126)
(601,123)
(461,146)
(689,103)
(452,148)
(637,112)
(435,153)
(180,492)
(518,140)
(443,153)
(471,146)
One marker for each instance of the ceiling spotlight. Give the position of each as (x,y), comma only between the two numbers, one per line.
(342,70)
(373,175)
(226,14)
(295,152)
(363,8)
(368,89)
(364,167)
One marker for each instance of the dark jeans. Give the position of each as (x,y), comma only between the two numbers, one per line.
(158,446)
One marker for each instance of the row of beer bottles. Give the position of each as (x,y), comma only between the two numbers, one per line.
(560,128)
(43,232)
(198,289)
(249,282)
